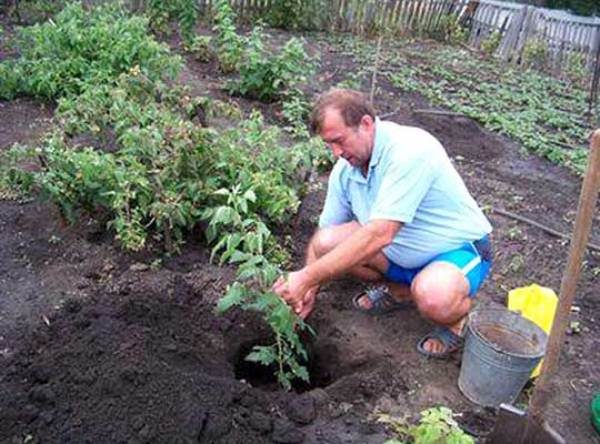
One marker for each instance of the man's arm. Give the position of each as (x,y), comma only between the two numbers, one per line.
(359,247)
(364,243)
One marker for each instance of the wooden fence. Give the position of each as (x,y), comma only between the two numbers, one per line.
(561,34)
(364,16)
(558,32)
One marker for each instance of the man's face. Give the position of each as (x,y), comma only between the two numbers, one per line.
(353,144)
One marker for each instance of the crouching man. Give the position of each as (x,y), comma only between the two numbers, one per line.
(397,213)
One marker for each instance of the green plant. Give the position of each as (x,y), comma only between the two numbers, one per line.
(160,13)
(509,101)
(12,80)
(352,81)
(230,46)
(33,11)
(516,264)
(295,111)
(250,156)
(267,76)
(200,47)
(174,170)
(297,14)
(535,54)
(575,69)
(240,237)
(287,352)
(405,79)
(449,29)
(491,43)
(235,225)
(17,176)
(81,49)
(319,156)
(458,34)
(436,426)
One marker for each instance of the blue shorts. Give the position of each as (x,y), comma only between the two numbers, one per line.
(474,259)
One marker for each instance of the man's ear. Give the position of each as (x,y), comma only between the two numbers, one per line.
(367,122)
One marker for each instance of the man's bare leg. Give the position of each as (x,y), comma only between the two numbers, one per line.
(372,271)
(440,290)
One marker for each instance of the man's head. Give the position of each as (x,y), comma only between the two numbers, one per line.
(345,120)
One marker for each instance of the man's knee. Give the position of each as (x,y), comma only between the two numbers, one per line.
(439,289)
(323,241)
(326,239)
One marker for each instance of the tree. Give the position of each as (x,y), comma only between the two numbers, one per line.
(580,7)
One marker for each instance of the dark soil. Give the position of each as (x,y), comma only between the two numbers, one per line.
(100,346)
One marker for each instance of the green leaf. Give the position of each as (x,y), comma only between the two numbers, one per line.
(234,296)
(250,195)
(264,355)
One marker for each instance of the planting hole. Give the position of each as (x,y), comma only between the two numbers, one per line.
(321,368)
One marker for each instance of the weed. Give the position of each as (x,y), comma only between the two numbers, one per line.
(514,233)
(511,102)
(516,264)
(405,79)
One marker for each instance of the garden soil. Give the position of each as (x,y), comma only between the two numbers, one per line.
(97,345)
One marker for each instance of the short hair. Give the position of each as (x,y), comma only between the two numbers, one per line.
(351,104)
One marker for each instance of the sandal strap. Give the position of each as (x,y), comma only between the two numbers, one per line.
(377,295)
(450,340)
(381,301)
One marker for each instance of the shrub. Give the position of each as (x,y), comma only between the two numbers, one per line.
(450,30)
(535,54)
(174,168)
(201,49)
(160,13)
(576,69)
(298,14)
(458,34)
(267,76)
(84,48)
(230,46)
(490,44)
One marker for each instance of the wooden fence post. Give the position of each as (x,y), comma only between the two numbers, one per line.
(509,42)
(593,97)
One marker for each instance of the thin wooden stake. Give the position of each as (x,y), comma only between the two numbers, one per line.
(375,68)
(583,223)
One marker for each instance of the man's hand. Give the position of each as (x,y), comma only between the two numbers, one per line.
(308,302)
(297,292)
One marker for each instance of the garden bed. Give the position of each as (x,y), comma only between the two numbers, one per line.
(99,345)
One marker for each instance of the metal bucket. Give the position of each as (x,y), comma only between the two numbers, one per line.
(501,350)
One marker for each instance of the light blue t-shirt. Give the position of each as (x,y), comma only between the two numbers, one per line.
(410,180)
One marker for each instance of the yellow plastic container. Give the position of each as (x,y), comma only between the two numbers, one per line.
(536,303)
